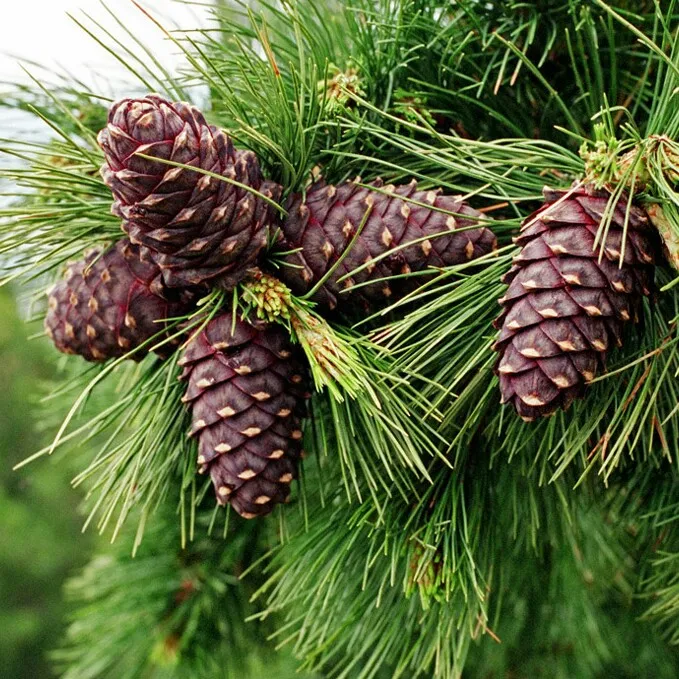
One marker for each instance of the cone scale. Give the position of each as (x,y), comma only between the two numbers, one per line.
(322,224)
(246,391)
(569,300)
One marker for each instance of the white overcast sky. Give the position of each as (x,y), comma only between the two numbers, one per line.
(40,30)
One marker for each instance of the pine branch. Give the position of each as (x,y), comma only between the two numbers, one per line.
(69,206)
(648,503)
(141,439)
(327,582)
(369,414)
(408,588)
(169,611)
(465,515)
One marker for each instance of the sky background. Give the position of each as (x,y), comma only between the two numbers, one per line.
(41,30)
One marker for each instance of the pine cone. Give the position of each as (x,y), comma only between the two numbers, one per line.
(321,226)
(197,228)
(564,308)
(110,303)
(246,390)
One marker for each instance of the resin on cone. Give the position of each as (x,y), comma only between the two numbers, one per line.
(442,231)
(246,390)
(197,228)
(568,300)
(110,303)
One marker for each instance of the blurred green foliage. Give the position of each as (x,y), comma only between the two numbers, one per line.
(39,524)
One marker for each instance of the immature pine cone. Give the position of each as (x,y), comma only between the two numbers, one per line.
(321,226)
(110,303)
(197,228)
(246,391)
(564,308)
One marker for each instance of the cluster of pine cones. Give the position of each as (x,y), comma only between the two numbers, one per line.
(189,231)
